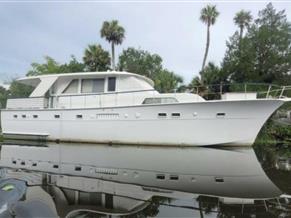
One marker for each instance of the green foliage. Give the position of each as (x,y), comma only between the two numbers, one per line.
(212,74)
(166,81)
(3,97)
(73,66)
(273,132)
(18,90)
(149,65)
(264,54)
(112,32)
(209,14)
(96,58)
(242,19)
(52,67)
(140,61)
(49,67)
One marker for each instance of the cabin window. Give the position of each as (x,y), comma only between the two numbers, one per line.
(176,115)
(220,115)
(23,116)
(174,177)
(15,115)
(35,116)
(167,100)
(78,168)
(111,84)
(92,85)
(160,176)
(72,87)
(162,115)
(219,179)
(79,116)
(57,116)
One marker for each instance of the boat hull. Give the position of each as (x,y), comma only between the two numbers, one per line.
(184,124)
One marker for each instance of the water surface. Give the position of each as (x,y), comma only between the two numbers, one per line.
(84,180)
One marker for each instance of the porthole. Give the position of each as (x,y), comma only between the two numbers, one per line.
(78,168)
(79,116)
(57,116)
(34,164)
(160,176)
(56,166)
(174,177)
(35,116)
(220,115)
(162,115)
(15,116)
(176,115)
(219,179)
(22,163)
(14,161)
(23,116)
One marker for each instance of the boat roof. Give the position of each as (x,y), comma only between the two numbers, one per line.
(34,80)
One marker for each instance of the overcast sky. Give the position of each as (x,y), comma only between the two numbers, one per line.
(31,30)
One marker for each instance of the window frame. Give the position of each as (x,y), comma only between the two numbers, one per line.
(72,93)
(81,85)
(108,79)
(160,99)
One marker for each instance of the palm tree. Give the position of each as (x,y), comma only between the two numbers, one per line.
(242,19)
(96,58)
(208,16)
(114,34)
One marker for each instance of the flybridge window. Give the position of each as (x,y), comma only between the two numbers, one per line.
(92,85)
(72,87)
(166,100)
(111,84)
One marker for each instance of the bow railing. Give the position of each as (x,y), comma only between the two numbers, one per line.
(216,91)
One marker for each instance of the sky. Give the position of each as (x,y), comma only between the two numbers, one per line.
(30,30)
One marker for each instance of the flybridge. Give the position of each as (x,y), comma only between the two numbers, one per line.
(92,90)
(57,83)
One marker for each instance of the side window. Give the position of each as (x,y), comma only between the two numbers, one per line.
(72,87)
(111,84)
(92,86)
(166,100)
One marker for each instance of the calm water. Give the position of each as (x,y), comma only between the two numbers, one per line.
(82,180)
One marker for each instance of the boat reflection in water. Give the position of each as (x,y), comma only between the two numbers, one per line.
(70,180)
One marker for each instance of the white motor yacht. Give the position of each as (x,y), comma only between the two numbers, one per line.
(124,108)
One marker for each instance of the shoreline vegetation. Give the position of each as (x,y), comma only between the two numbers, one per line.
(259,51)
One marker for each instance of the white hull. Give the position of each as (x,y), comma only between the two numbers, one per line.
(199,123)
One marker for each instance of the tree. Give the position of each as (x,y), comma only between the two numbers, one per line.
(114,34)
(264,53)
(51,66)
(73,66)
(150,65)
(242,19)
(213,75)
(166,81)
(3,97)
(18,90)
(208,16)
(96,58)
(140,61)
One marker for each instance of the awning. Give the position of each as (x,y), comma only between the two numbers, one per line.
(43,86)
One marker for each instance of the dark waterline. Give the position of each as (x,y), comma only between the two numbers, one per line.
(70,180)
